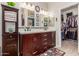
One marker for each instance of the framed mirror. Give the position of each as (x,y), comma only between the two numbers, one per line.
(27,17)
(9,27)
(30,18)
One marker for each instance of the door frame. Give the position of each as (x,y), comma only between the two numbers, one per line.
(77,22)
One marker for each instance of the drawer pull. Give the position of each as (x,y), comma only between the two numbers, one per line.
(34,39)
(44,39)
(45,43)
(35,52)
(45,34)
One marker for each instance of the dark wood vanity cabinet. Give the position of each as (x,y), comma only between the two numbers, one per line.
(10,44)
(36,43)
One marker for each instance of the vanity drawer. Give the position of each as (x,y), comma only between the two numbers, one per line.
(44,34)
(45,43)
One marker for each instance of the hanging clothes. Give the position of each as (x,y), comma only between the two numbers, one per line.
(76,24)
(71,22)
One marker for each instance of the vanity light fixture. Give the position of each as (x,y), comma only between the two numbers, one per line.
(30,6)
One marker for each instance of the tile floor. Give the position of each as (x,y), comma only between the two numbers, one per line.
(70,47)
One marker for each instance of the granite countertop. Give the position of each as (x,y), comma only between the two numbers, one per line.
(31,32)
(22,31)
(34,32)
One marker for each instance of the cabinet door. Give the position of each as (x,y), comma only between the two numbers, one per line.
(27,45)
(44,41)
(9,31)
(54,38)
(36,44)
(51,39)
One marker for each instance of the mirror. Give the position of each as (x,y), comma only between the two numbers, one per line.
(27,17)
(10,27)
(30,18)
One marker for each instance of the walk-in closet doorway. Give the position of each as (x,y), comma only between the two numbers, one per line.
(69,28)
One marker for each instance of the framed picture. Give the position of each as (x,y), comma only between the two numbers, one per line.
(30,18)
(37,20)
(52,21)
(30,22)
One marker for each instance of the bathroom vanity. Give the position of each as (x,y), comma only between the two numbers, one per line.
(36,35)
(32,44)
